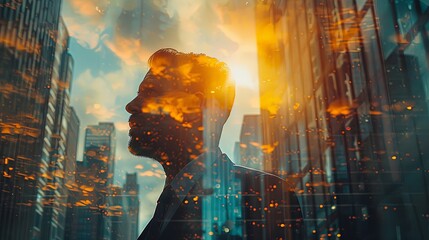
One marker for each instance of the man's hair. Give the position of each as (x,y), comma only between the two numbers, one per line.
(195,73)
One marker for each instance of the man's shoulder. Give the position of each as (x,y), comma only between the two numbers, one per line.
(247,172)
(255,177)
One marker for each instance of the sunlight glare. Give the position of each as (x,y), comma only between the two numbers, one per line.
(242,76)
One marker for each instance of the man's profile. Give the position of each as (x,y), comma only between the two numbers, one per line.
(177,119)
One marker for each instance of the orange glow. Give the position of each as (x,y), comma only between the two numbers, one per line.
(83,203)
(47,175)
(129,50)
(269,148)
(339,107)
(173,104)
(21,46)
(86,188)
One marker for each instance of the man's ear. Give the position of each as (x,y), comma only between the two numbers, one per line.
(197,116)
(202,98)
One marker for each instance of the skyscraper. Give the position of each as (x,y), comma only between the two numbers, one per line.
(118,214)
(91,197)
(99,151)
(131,195)
(55,199)
(28,40)
(344,99)
(123,211)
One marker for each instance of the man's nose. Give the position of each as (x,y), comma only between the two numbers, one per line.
(134,106)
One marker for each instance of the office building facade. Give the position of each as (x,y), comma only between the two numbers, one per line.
(28,41)
(90,204)
(99,150)
(344,101)
(131,197)
(55,199)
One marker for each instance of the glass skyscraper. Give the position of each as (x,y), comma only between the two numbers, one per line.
(89,205)
(55,199)
(347,83)
(131,192)
(29,31)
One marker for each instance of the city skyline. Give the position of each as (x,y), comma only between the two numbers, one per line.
(40,131)
(332,96)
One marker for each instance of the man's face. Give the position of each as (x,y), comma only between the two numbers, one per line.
(164,119)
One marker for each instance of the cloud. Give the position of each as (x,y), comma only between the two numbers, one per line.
(122,126)
(99,91)
(139,166)
(87,35)
(86,20)
(129,50)
(100,111)
(89,8)
(133,29)
(152,174)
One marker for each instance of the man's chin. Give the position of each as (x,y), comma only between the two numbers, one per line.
(138,149)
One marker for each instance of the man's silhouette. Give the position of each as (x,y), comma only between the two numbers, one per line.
(177,119)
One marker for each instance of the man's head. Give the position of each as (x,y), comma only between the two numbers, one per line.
(182,103)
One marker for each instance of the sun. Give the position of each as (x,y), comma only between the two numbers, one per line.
(243,76)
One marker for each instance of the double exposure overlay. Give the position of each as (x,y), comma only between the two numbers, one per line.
(273,119)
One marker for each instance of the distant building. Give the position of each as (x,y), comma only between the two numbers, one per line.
(344,105)
(99,151)
(131,198)
(123,209)
(251,149)
(118,214)
(90,196)
(28,42)
(80,208)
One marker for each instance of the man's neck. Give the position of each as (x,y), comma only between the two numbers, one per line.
(174,165)
(171,171)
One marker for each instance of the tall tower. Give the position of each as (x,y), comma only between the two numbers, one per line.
(89,216)
(54,202)
(118,214)
(28,40)
(131,193)
(99,151)
(344,105)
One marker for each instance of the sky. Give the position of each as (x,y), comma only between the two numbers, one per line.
(110,48)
